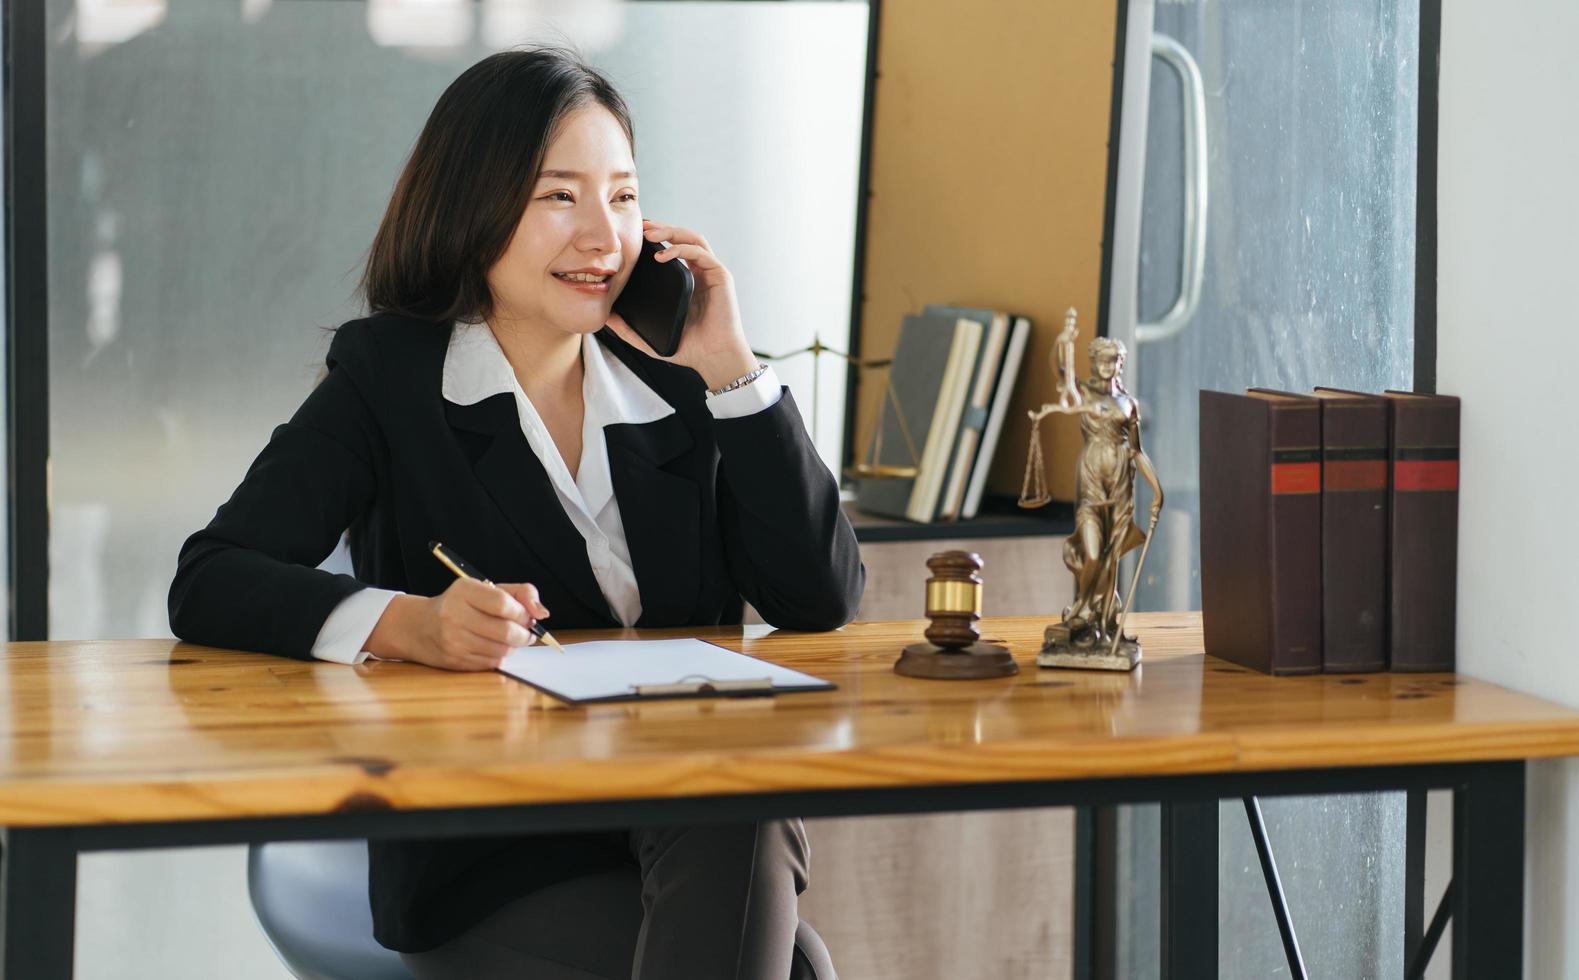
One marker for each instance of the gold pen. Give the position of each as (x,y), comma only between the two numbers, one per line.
(463,569)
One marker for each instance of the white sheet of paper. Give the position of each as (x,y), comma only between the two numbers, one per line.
(611,668)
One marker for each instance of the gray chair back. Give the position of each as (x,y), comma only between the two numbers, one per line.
(311,900)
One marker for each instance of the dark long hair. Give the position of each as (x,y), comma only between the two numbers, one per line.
(462,192)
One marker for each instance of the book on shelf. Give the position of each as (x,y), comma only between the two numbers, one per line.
(950,406)
(1353,531)
(1260,466)
(929,376)
(991,392)
(973,421)
(1422,452)
(1002,397)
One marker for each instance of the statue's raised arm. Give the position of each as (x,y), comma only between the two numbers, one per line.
(1064,366)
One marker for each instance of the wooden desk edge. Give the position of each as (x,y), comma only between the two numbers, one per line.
(348,788)
(84,795)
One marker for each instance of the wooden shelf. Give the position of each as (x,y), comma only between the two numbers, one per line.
(999,517)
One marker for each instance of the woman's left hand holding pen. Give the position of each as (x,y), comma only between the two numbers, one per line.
(471,625)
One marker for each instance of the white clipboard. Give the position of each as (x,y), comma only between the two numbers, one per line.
(630,670)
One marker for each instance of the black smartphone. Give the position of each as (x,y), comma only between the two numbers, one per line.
(657,298)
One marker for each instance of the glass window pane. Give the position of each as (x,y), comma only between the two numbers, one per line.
(1311,127)
(217,171)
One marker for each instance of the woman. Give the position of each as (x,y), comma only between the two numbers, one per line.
(493,402)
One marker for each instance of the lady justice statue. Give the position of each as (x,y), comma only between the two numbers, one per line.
(1091,634)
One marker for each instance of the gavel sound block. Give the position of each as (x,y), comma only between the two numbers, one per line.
(954,650)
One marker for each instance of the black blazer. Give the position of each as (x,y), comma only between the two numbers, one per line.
(713,510)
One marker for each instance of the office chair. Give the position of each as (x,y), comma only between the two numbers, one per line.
(311,900)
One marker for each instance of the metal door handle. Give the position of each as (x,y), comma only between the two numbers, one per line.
(1192,253)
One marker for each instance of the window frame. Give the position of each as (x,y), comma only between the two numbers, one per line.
(26,320)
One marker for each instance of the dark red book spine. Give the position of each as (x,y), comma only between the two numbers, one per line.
(1296,536)
(1261,530)
(1353,533)
(1423,571)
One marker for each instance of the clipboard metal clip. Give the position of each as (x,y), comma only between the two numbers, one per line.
(699,684)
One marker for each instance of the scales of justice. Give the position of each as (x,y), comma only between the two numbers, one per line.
(1091,633)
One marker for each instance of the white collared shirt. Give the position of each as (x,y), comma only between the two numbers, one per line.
(475,368)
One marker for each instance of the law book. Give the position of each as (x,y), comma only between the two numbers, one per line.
(1260,465)
(950,407)
(1353,531)
(1422,451)
(917,374)
(989,363)
(1002,396)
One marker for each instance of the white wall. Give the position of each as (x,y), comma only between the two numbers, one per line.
(1508,343)
(169,915)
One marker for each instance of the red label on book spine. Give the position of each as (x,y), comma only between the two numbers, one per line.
(1425,474)
(1355,474)
(1296,478)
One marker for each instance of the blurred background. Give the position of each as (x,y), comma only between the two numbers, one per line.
(1229,187)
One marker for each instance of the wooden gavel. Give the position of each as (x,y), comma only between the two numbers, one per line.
(954,599)
(954,650)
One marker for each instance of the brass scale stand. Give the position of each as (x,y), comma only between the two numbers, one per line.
(869,465)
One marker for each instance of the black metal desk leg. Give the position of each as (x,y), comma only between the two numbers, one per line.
(38,898)
(1488,872)
(1096,896)
(1083,952)
(1414,872)
(1189,890)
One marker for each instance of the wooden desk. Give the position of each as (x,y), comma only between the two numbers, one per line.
(148,743)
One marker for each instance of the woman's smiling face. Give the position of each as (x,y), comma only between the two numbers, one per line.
(582,214)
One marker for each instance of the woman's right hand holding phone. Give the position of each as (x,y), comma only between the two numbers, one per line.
(470,626)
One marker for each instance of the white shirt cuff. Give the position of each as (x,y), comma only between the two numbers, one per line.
(760,394)
(345,630)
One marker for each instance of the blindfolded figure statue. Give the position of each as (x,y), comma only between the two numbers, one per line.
(1091,633)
